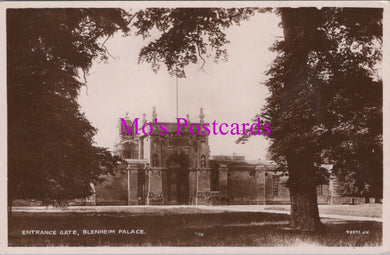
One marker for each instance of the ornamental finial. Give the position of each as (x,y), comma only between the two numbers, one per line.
(144,118)
(154,114)
(201,115)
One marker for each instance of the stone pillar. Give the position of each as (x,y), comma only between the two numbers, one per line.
(192,186)
(223,183)
(203,186)
(141,148)
(91,200)
(335,195)
(260,185)
(154,185)
(132,186)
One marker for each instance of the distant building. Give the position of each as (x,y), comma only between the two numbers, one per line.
(178,170)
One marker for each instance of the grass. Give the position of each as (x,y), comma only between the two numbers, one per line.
(206,229)
(363,210)
(128,210)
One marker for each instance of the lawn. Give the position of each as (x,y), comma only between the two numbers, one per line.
(189,229)
(363,210)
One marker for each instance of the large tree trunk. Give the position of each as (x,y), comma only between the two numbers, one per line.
(302,184)
(304,210)
(299,26)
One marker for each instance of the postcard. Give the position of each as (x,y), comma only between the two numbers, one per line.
(194,127)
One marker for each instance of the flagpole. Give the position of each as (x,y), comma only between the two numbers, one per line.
(177,98)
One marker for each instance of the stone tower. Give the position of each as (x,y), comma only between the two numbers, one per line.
(128,146)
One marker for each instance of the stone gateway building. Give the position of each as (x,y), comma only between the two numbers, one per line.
(176,169)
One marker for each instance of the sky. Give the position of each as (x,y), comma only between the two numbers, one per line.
(229,91)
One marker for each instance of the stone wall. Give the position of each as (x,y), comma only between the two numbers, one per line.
(244,186)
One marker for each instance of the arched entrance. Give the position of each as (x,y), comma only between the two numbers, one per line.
(178,179)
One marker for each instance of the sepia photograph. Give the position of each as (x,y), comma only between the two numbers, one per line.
(213,125)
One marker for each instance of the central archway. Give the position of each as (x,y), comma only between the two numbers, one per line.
(178,179)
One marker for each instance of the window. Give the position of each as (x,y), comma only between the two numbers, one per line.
(155,160)
(203,161)
(275,186)
(319,190)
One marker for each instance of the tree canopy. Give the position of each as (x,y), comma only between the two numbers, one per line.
(188,35)
(334,111)
(51,153)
